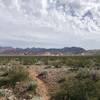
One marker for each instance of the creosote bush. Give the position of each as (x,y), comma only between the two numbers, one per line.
(75,89)
(12,74)
(32,86)
(2,94)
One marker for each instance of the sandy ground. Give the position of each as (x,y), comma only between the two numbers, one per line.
(41,87)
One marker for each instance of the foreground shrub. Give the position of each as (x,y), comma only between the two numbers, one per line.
(78,90)
(13,74)
(83,73)
(2,94)
(32,86)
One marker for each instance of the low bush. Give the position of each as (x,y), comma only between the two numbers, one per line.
(13,74)
(32,86)
(83,73)
(78,90)
(2,93)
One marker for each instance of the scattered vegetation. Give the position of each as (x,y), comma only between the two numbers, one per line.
(10,74)
(84,85)
(15,76)
(32,86)
(67,78)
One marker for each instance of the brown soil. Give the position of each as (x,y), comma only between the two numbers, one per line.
(1,98)
(41,87)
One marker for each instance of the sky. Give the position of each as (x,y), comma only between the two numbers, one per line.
(50,23)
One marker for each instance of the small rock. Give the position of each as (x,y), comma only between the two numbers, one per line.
(12,98)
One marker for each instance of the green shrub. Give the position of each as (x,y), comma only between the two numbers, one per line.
(78,90)
(2,93)
(83,73)
(32,86)
(12,75)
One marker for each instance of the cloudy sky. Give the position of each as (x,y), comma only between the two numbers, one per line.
(50,23)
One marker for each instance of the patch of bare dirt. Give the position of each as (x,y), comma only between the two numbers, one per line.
(41,86)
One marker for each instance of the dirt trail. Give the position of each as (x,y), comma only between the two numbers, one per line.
(41,87)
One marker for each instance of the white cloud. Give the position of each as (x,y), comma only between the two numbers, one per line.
(50,23)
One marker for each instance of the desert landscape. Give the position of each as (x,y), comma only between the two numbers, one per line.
(49,78)
(49,49)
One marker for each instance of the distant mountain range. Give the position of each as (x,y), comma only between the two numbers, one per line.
(41,51)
